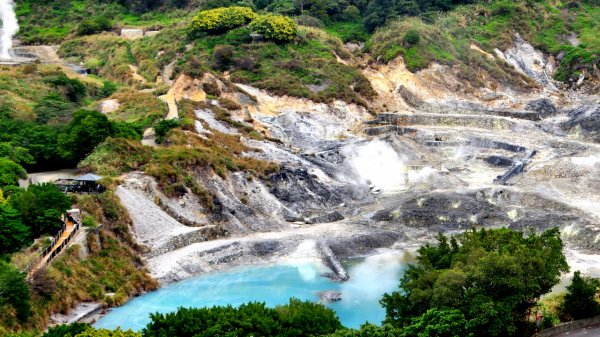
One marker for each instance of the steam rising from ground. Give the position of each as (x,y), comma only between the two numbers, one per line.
(377,163)
(373,277)
(10,26)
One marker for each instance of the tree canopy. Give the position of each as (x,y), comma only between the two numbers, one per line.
(41,207)
(14,291)
(13,233)
(86,130)
(294,319)
(492,277)
(580,299)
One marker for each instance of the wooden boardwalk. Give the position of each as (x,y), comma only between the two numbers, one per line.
(58,244)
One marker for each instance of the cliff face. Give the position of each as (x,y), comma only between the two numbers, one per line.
(437,158)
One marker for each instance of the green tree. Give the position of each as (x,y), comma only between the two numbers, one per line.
(53,109)
(438,323)
(83,134)
(41,207)
(492,276)
(378,13)
(369,330)
(13,233)
(14,290)
(351,13)
(11,172)
(580,299)
(300,318)
(16,153)
(252,319)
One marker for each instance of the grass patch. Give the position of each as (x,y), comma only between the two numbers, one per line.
(138,108)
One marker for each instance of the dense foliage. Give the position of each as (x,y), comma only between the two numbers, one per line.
(581,298)
(492,277)
(221,19)
(66,330)
(14,293)
(41,207)
(275,27)
(294,319)
(14,235)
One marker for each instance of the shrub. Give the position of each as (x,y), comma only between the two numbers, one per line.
(163,127)
(246,63)
(221,19)
(223,56)
(229,104)
(211,88)
(310,21)
(275,27)
(94,26)
(412,37)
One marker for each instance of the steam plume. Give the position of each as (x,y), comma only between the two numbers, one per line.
(10,26)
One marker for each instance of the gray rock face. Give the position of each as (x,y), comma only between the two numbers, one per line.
(302,191)
(324,218)
(584,119)
(543,106)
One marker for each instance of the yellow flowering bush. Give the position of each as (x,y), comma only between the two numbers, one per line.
(275,27)
(223,18)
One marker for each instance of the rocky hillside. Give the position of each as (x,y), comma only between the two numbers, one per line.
(348,135)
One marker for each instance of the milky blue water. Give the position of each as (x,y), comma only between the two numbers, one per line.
(370,278)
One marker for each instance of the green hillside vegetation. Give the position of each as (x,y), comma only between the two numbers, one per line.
(446,37)
(305,68)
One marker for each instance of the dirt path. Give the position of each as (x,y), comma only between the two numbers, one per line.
(135,75)
(169,98)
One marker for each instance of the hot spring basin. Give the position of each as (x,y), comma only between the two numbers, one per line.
(370,278)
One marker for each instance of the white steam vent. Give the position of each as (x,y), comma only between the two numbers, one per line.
(10,27)
(376,163)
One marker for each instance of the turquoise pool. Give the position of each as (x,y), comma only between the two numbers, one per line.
(272,284)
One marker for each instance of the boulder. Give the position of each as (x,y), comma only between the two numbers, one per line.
(330,296)
(543,106)
(132,33)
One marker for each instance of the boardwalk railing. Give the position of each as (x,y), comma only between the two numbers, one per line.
(64,243)
(49,252)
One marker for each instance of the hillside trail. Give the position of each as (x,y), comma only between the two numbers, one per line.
(69,228)
(149,136)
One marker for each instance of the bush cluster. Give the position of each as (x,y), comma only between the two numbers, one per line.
(222,19)
(275,27)
(94,26)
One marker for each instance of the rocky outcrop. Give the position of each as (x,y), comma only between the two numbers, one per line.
(531,62)
(330,296)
